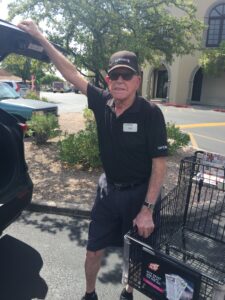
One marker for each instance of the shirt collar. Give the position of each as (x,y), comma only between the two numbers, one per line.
(135,107)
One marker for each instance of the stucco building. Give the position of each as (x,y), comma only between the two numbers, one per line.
(183,82)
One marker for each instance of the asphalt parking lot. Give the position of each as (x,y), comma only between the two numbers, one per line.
(205,126)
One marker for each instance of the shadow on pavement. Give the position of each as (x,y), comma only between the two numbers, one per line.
(77,228)
(114,275)
(20,266)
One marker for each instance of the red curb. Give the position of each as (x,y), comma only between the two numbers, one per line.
(183,105)
(176,105)
(219,110)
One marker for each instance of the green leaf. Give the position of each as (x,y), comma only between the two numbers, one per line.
(93,30)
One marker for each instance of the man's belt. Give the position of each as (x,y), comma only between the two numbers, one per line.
(126,186)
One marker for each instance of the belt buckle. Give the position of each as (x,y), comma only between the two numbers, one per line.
(118,186)
(121,186)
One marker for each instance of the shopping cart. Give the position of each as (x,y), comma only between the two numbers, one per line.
(185,256)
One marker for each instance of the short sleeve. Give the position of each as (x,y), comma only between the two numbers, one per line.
(96,96)
(158,136)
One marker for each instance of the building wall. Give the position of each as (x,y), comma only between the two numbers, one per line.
(146,80)
(180,79)
(183,69)
(213,90)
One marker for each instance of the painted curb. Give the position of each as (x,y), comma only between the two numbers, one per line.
(220,110)
(72,212)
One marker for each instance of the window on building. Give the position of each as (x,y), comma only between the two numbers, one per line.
(216,29)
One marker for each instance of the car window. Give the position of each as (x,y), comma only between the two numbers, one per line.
(22,85)
(6,92)
(9,83)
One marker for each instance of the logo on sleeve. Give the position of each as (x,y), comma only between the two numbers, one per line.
(164,147)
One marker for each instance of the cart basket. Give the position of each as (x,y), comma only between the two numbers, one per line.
(184,258)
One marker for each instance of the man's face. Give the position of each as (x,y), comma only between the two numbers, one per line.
(123,84)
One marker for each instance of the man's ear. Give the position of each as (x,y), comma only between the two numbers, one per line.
(107,79)
(138,81)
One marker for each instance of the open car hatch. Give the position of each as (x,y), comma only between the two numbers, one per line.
(15,40)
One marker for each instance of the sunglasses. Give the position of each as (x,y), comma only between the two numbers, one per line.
(125,76)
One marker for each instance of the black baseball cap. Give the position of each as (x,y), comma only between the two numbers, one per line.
(123,59)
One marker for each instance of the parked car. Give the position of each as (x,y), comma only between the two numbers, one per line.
(75,90)
(15,183)
(72,90)
(20,87)
(24,88)
(58,87)
(21,108)
(14,84)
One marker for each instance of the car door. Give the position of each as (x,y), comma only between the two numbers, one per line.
(15,183)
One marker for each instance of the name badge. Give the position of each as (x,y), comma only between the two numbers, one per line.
(130,127)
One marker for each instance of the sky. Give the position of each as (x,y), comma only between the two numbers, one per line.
(4,15)
(3,9)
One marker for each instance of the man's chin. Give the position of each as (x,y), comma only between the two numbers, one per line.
(119,96)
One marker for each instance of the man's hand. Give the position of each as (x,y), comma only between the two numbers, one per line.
(30,27)
(65,67)
(144,222)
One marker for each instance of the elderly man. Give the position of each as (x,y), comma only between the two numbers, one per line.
(133,150)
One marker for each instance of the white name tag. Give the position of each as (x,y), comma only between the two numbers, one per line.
(130,127)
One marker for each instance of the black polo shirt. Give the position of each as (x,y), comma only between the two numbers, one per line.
(127,143)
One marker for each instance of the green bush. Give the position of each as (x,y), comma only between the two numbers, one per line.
(82,148)
(176,138)
(32,95)
(35,96)
(43,127)
(44,99)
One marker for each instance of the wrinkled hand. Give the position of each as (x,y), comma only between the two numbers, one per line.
(30,27)
(144,222)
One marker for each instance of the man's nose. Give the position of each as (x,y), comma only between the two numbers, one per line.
(120,78)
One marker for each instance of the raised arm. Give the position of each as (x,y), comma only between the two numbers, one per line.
(65,67)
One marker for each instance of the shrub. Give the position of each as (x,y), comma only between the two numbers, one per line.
(35,96)
(32,95)
(43,127)
(176,138)
(82,148)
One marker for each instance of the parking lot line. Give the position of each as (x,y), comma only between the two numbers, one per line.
(184,126)
(193,140)
(210,138)
(199,125)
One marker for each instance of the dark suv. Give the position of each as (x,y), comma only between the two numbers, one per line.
(15,183)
